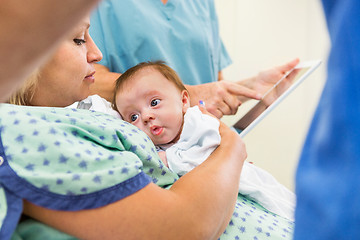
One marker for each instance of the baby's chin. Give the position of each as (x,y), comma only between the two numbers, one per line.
(162,141)
(166,141)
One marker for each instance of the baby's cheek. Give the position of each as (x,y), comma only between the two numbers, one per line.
(144,129)
(141,127)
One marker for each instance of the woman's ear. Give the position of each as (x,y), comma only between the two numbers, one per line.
(185,97)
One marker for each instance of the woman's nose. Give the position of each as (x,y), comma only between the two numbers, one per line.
(94,54)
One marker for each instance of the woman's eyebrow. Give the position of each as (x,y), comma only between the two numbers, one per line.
(82,27)
(85,25)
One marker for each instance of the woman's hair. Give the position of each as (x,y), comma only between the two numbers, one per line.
(24,95)
(160,66)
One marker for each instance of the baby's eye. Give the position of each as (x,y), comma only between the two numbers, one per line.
(79,41)
(155,102)
(134,117)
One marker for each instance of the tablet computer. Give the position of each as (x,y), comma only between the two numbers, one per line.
(274,96)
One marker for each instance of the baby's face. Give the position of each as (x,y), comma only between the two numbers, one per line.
(152,103)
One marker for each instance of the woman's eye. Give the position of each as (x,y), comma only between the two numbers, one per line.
(155,102)
(79,41)
(134,117)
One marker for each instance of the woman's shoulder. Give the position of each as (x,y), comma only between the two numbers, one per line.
(70,159)
(67,151)
(66,159)
(95,103)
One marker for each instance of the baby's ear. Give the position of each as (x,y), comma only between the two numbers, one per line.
(185,97)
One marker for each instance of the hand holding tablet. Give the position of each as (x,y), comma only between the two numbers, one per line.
(275,95)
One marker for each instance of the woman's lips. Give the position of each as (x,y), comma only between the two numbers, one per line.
(156,130)
(90,78)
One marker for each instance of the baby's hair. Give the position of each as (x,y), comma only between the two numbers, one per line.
(160,66)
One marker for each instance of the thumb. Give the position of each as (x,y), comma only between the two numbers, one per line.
(290,65)
(202,107)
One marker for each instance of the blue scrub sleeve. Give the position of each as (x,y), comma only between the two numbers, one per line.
(328,175)
(225,59)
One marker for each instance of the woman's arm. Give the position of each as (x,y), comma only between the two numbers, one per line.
(198,206)
(30,31)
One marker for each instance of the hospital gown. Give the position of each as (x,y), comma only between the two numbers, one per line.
(112,159)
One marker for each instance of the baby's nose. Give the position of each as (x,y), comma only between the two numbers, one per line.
(148,116)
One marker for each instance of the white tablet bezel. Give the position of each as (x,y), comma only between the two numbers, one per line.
(311,65)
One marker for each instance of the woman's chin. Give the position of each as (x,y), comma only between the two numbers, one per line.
(83,96)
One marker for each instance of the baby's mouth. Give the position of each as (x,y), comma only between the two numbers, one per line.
(156,130)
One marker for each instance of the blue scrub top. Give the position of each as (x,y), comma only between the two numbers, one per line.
(328,176)
(183,33)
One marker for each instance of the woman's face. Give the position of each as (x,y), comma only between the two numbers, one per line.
(68,75)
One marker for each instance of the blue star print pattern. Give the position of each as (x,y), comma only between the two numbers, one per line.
(248,222)
(80,156)
(104,156)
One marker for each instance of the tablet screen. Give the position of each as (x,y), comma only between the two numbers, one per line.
(274,95)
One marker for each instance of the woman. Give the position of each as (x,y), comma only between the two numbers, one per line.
(93,176)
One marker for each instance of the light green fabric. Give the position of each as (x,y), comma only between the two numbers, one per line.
(80,153)
(126,152)
(252,221)
(3,206)
(33,230)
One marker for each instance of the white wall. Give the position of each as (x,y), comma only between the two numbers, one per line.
(260,34)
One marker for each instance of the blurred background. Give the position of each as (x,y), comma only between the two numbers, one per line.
(261,34)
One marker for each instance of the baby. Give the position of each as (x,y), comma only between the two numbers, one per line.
(152,97)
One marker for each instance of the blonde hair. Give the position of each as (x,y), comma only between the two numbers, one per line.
(25,93)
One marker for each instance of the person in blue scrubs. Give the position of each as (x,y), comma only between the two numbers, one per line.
(182,33)
(328,175)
